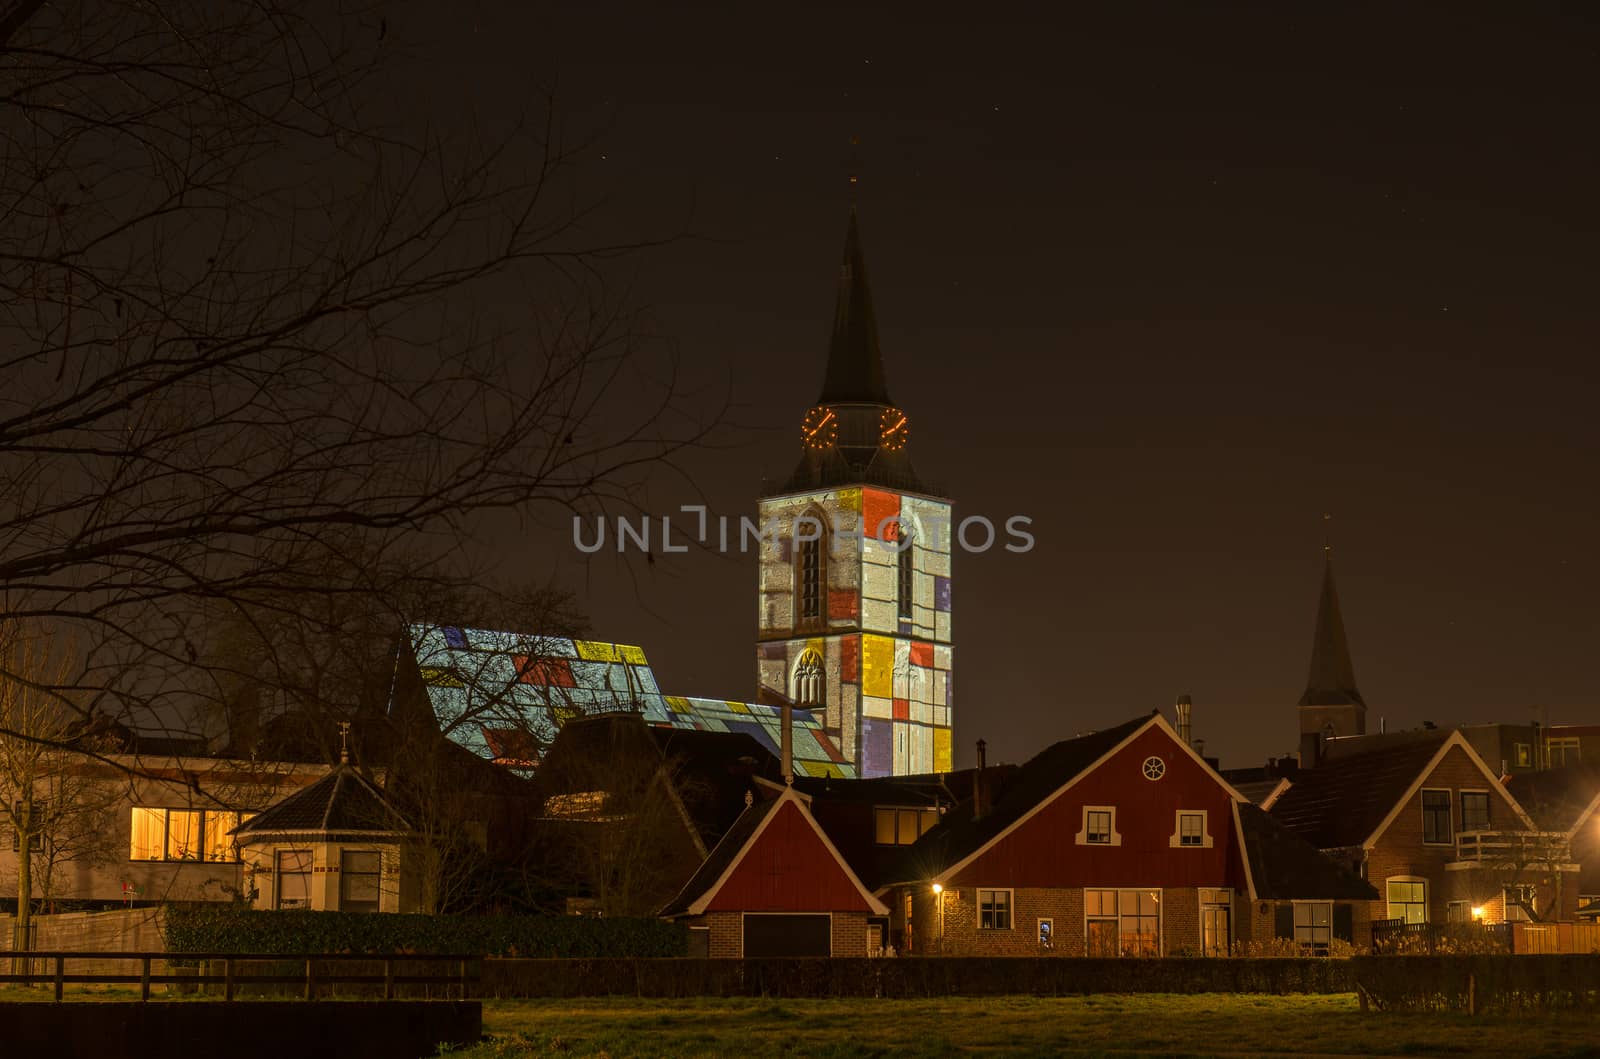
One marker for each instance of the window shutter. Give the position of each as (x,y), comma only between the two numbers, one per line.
(1284,922)
(1344,923)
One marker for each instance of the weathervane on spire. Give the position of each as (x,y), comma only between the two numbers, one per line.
(854,167)
(1327,535)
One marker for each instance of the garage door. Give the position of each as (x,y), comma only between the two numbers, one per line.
(788,936)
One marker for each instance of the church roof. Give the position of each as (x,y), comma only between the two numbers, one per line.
(855,363)
(1332,680)
(343,802)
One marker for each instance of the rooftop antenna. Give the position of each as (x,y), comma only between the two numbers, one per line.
(344,744)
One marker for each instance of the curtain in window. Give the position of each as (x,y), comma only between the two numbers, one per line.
(148,831)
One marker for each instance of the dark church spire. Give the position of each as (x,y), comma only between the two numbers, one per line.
(1332,681)
(855,364)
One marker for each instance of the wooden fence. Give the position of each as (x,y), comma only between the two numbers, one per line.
(51,968)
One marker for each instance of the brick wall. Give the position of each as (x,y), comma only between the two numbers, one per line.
(849,934)
(726,939)
(1180,923)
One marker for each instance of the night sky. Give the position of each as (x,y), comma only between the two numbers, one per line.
(1171,279)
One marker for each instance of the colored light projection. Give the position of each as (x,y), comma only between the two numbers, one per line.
(886,695)
(505,695)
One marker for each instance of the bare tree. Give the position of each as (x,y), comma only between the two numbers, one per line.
(53,810)
(237,296)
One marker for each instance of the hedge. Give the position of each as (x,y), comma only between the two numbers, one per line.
(246,931)
(1478,983)
(910,977)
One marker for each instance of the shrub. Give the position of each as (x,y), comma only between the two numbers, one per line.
(245,931)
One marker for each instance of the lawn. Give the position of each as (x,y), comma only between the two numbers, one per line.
(1212,1024)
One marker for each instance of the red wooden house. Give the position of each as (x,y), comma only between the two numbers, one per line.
(776,886)
(1122,842)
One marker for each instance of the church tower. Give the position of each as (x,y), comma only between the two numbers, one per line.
(854,586)
(1331,706)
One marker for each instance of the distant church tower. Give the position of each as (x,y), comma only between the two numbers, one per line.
(854,622)
(1331,705)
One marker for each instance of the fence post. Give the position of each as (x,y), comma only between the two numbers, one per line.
(463,979)
(1472,994)
(388,978)
(144,977)
(60,975)
(311,980)
(227,974)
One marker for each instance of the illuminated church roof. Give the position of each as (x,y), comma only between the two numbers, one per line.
(504,695)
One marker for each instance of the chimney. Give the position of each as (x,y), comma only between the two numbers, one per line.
(1383,725)
(787,752)
(977,781)
(1185,710)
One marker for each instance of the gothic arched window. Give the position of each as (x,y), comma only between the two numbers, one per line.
(807,689)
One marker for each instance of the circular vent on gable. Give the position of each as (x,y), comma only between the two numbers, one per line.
(1154,768)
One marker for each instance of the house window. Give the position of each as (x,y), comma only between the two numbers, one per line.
(1518,900)
(293,888)
(1408,900)
(1458,912)
(1474,810)
(35,840)
(1099,827)
(360,871)
(1562,751)
(1140,922)
(808,679)
(1524,755)
(1190,830)
(994,909)
(1122,922)
(1313,925)
(907,577)
(1436,817)
(183,834)
(1047,933)
(1100,923)
(902,827)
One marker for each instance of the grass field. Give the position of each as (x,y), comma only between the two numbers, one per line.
(1213,1024)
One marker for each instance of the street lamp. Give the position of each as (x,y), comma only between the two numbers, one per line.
(938,894)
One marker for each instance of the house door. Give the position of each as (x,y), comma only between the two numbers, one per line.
(1215,933)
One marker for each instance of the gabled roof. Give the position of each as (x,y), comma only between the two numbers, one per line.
(855,363)
(745,834)
(343,802)
(1332,680)
(1560,799)
(1350,799)
(1263,792)
(960,838)
(1284,866)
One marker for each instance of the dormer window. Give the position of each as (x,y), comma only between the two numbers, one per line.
(1190,830)
(1099,827)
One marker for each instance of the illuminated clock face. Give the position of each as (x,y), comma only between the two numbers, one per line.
(893,428)
(820,428)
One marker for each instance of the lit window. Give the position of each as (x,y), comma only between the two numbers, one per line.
(360,871)
(994,909)
(149,832)
(294,878)
(1436,817)
(219,844)
(1047,933)
(1122,922)
(902,827)
(1408,900)
(1313,925)
(1474,810)
(1100,923)
(183,834)
(1524,755)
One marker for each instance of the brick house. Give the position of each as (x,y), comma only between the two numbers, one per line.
(1567,800)
(1121,842)
(1424,819)
(776,886)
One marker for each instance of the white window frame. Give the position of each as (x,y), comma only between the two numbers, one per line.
(1451,909)
(1449,810)
(1011,907)
(1388,903)
(1038,932)
(1488,798)
(1120,893)
(1082,838)
(1176,839)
